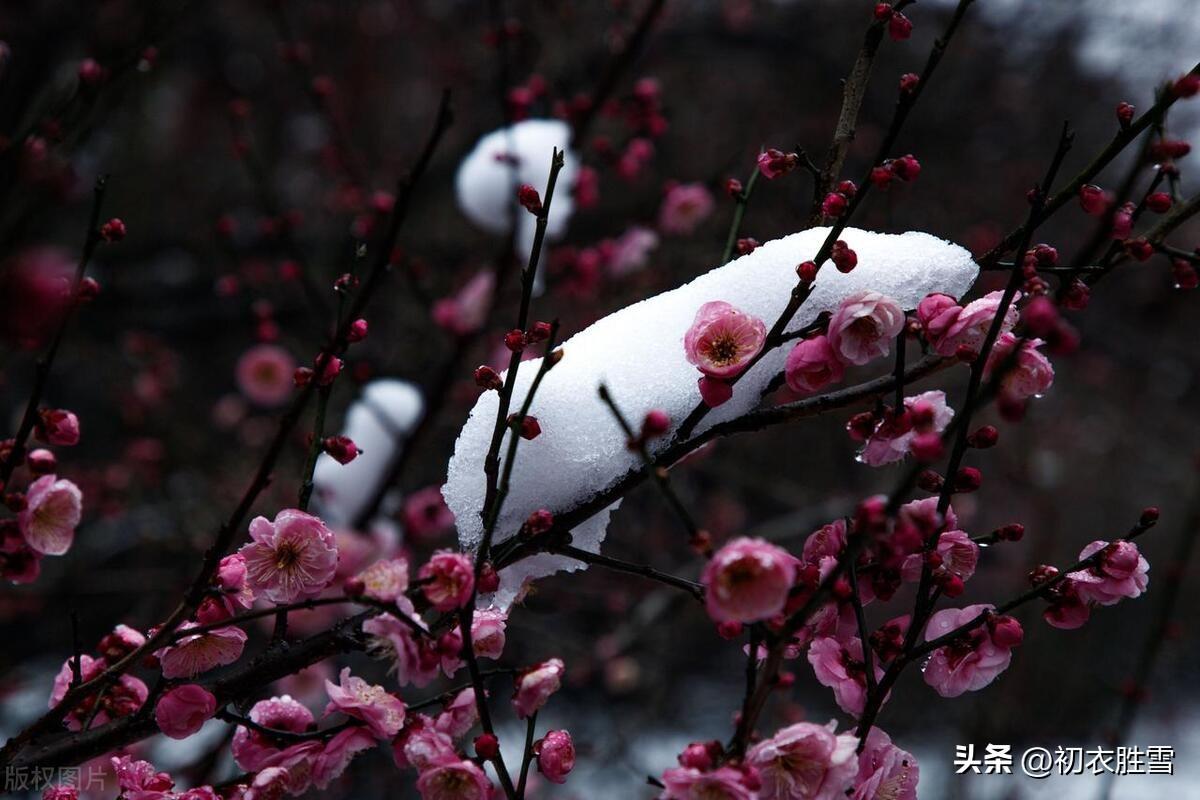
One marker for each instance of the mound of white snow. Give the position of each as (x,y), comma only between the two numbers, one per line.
(638,352)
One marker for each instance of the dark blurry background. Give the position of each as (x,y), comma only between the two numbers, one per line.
(221,200)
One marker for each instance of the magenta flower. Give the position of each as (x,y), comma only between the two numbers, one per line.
(425,513)
(958,553)
(385,580)
(722,339)
(885,771)
(195,653)
(138,780)
(1030,376)
(264,375)
(689,783)
(825,542)
(487,632)
(949,327)
(253,751)
(863,327)
(973,660)
(1121,572)
(183,710)
(458,780)
(58,426)
(812,365)
(465,312)
(459,715)
(337,754)
(423,746)
(805,760)
(53,508)
(555,756)
(684,207)
(413,660)
(893,437)
(748,580)
(535,685)
(354,697)
(289,559)
(630,252)
(450,580)
(840,666)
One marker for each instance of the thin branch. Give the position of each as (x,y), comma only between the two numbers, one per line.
(696,590)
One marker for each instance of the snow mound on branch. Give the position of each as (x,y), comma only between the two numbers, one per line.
(488,178)
(379,423)
(638,352)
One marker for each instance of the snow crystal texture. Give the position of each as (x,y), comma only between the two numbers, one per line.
(638,352)
(379,423)
(504,159)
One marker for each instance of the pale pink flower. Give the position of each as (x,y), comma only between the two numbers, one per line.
(53,508)
(807,761)
(885,772)
(487,632)
(684,207)
(748,580)
(272,783)
(840,666)
(722,339)
(422,745)
(450,580)
(337,754)
(264,375)
(923,515)
(1067,610)
(58,426)
(825,542)
(535,685)
(425,513)
(195,653)
(1121,572)
(863,327)
(413,660)
(235,593)
(936,313)
(252,751)
(459,716)
(385,580)
(122,641)
(555,756)
(631,251)
(689,783)
(1029,376)
(354,697)
(183,710)
(970,662)
(464,313)
(291,558)
(892,441)
(138,780)
(459,780)
(947,331)
(959,555)
(812,365)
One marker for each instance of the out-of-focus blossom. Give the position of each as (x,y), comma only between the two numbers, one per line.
(465,312)
(264,375)
(684,207)
(748,580)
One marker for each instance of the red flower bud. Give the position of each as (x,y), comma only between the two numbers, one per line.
(514,340)
(1158,202)
(341,449)
(834,204)
(529,198)
(113,230)
(843,257)
(487,378)
(899,27)
(807,271)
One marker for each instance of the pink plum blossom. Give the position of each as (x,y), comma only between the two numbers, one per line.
(722,339)
(1121,572)
(825,542)
(337,754)
(892,440)
(386,580)
(840,666)
(457,780)
(253,751)
(183,710)
(631,251)
(885,772)
(535,685)
(195,653)
(354,697)
(53,508)
(422,745)
(58,427)
(805,760)
(450,580)
(812,365)
(684,207)
(1029,376)
(425,513)
(413,660)
(235,593)
(138,780)
(949,327)
(863,327)
(748,580)
(459,716)
(555,756)
(689,783)
(264,375)
(61,792)
(971,661)
(465,312)
(19,562)
(290,558)
(487,632)
(958,553)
